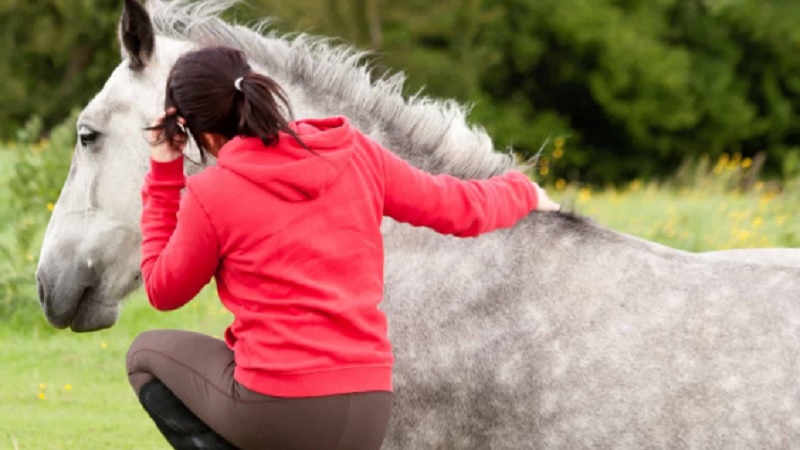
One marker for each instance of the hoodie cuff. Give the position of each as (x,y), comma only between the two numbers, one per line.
(167,171)
(528,189)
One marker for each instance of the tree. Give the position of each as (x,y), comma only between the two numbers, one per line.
(634,87)
(56,54)
(644,84)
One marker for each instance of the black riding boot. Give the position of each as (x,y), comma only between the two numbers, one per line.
(182,429)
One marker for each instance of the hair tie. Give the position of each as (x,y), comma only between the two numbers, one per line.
(238,84)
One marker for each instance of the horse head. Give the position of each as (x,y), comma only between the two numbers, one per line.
(89,259)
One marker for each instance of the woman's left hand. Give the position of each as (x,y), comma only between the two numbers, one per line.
(544,202)
(163,151)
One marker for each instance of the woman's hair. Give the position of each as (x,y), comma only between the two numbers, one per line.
(217,92)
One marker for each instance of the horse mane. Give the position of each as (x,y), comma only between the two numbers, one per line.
(431,134)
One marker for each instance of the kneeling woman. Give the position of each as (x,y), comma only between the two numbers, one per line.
(288,223)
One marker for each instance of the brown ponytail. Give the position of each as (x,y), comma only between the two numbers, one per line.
(217,92)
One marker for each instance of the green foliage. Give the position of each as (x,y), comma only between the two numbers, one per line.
(634,87)
(39,168)
(646,84)
(56,56)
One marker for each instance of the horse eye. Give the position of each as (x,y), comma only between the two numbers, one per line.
(87,136)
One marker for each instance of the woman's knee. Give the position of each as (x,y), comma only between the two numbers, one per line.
(136,361)
(147,340)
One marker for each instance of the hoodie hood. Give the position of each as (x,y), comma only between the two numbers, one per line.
(285,168)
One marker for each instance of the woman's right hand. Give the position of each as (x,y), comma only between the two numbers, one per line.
(545,204)
(160,149)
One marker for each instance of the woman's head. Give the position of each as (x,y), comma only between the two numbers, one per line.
(220,97)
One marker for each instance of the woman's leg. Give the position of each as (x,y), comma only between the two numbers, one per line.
(368,419)
(179,426)
(198,369)
(147,366)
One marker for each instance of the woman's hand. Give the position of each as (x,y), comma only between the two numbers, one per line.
(160,149)
(545,204)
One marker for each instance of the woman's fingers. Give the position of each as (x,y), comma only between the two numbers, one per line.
(545,204)
(156,135)
(159,120)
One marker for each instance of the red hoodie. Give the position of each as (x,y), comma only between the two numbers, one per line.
(293,239)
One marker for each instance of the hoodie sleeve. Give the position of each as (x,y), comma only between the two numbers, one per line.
(180,249)
(450,205)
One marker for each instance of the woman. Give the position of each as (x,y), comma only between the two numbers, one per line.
(288,223)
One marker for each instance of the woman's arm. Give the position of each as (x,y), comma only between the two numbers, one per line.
(180,249)
(453,206)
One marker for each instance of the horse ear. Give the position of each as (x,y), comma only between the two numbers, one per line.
(136,34)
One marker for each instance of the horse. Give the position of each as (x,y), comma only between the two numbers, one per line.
(558,333)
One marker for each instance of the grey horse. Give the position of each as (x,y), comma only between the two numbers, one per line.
(555,334)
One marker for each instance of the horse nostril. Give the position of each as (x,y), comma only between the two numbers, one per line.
(40,288)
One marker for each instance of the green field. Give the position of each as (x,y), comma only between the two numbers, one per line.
(61,390)
(6,160)
(65,391)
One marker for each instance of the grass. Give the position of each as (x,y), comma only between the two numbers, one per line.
(65,391)
(68,391)
(6,165)
(696,220)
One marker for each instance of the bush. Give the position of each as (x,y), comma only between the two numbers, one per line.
(56,56)
(644,85)
(38,171)
(632,87)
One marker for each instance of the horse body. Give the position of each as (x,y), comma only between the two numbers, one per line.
(660,349)
(555,334)
(772,257)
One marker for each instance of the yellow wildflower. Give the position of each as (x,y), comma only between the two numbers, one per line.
(757,221)
(41,396)
(558,153)
(103,344)
(67,387)
(51,207)
(561,184)
(41,386)
(585,194)
(544,170)
(747,162)
(560,141)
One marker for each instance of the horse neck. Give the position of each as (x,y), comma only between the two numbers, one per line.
(430,134)
(324,80)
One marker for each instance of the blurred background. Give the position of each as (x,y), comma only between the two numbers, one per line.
(634,87)
(672,120)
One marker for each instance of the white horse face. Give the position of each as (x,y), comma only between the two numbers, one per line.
(90,256)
